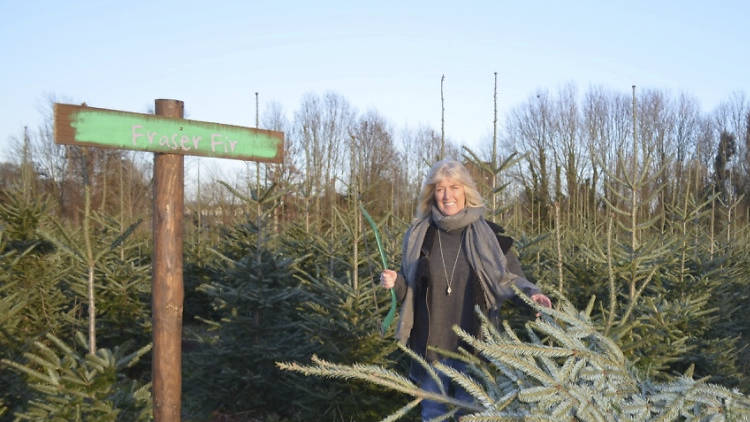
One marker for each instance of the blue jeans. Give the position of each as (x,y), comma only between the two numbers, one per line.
(432,409)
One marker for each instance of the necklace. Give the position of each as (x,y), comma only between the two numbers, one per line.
(449,281)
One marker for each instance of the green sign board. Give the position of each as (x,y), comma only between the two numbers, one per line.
(82,125)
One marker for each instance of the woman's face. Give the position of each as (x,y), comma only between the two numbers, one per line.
(449,196)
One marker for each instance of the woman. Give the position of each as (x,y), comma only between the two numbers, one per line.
(453,259)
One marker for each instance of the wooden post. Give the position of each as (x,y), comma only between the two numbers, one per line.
(167,289)
(169,137)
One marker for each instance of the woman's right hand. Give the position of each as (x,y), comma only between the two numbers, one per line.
(388,278)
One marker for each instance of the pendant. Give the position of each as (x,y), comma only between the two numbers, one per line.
(448,290)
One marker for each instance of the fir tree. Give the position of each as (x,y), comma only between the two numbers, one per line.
(33,298)
(71,386)
(561,368)
(230,364)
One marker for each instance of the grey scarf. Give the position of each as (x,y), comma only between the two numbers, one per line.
(482,250)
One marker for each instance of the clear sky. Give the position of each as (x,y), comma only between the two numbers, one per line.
(385,55)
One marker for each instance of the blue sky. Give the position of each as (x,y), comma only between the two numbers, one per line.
(388,56)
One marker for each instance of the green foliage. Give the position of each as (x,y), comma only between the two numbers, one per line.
(728,366)
(42,287)
(22,213)
(70,386)
(123,298)
(564,370)
(31,271)
(343,313)
(200,267)
(343,324)
(267,307)
(229,361)
(671,303)
(33,301)
(673,274)
(726,149)
(689,313)
(122,277)
(489,174)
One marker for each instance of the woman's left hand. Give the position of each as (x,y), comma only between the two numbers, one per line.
(542,300)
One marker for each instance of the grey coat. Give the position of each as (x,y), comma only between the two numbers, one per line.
(406,292)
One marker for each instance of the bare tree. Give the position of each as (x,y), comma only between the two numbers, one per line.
(705,149)
(686,129)
(377,157)
(606,129)
(286,173)
(655,126)
(568,144)
(51,160)
(530,129)
(730,117)
(321,126)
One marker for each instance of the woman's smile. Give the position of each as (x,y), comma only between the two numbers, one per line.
(450,196)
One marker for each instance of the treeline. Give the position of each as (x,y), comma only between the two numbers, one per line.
(636,200)
(572,146)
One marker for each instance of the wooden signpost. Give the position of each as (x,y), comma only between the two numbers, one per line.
(170,137)
(164,133)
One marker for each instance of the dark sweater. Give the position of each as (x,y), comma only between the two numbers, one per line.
(435,311)
(440,311)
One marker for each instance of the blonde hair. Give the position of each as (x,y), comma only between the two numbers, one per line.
(447,169)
